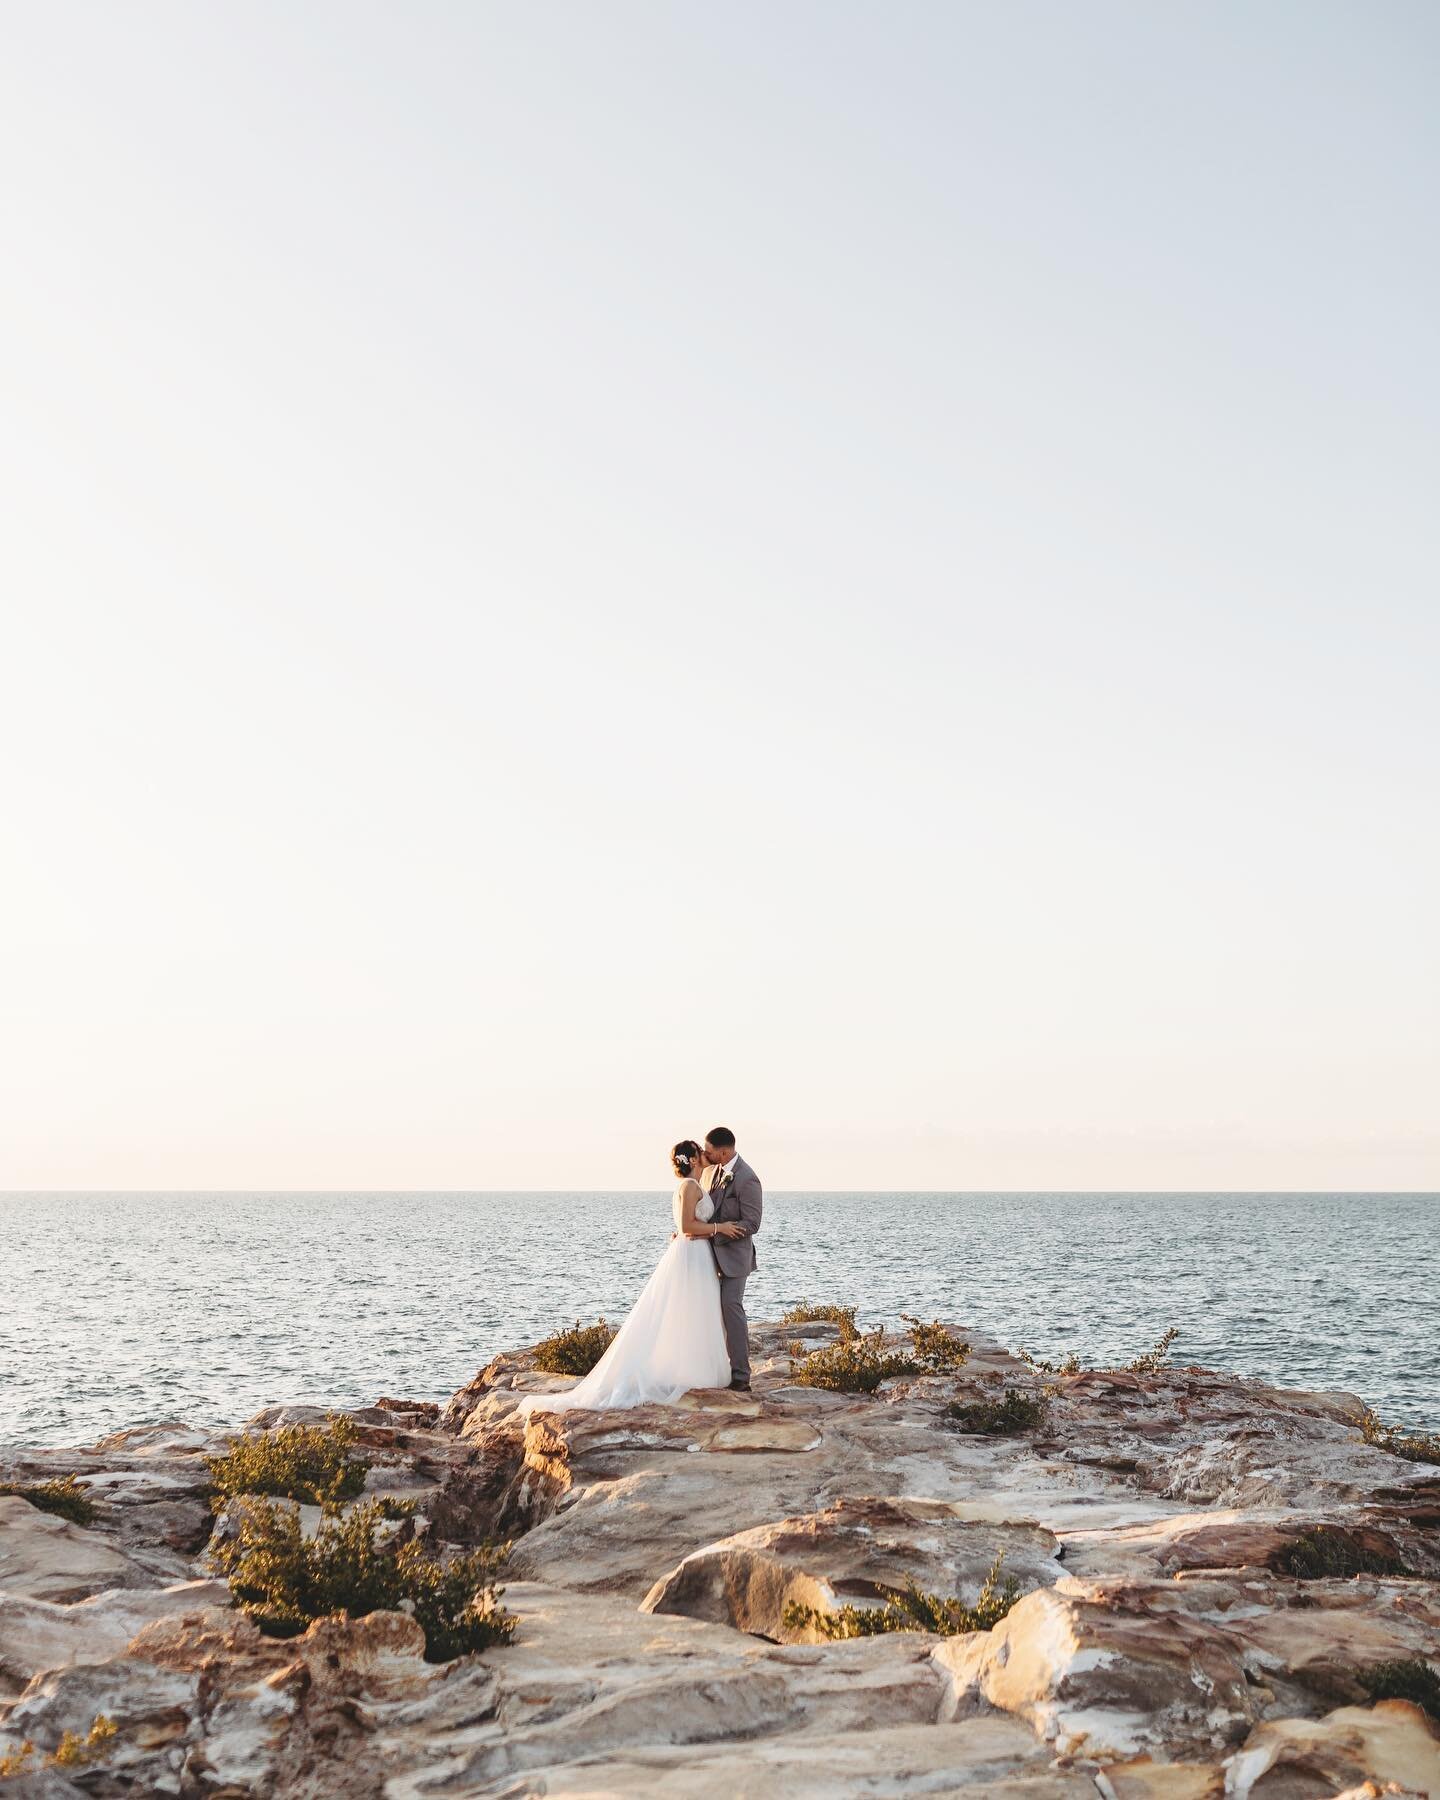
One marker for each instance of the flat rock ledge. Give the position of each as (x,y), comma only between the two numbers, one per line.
(1159,1647)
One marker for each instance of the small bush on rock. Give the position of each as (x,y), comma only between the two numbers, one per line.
(1414,1446)
(1410,1678)
(576,1350)
(64,1497)
(309,1463)
(937,1348)
(1150,1363)
(1321,1554)
(857,1362)
(806,1314)
(1015,1410)
(1152,1360)
(911,1609)
(285,1580)
(72,1752)
(1070,1366)
(854,1365)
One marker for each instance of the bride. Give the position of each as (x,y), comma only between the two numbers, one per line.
(673,1339)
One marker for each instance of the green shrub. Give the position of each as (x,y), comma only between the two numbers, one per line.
(937,1348)
(1149,1363)
(854,1365)
(574,1351)
(857,1362)
(72,1752)
(309,1463)
(1321,1554)
(911,1609)
(64,1497)
(285,1580)
(1070,1366)
(806,1314)
(1414,1446)
(1015,1410)
(1152,1360)
(1409,1679)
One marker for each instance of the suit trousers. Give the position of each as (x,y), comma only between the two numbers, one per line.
(737,1326)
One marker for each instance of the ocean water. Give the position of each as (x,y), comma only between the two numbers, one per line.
(122,1309)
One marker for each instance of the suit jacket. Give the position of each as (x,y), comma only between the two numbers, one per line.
(741,1202)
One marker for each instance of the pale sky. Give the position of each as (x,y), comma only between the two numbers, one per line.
(575,572)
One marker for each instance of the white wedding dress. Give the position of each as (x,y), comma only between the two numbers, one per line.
(673,1339)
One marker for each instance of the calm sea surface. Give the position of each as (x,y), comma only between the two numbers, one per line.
(118,1309)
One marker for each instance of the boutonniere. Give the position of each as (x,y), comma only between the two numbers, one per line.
(725,1178)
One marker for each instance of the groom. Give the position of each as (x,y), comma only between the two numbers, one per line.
(735,1188)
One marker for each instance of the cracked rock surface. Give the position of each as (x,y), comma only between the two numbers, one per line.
(1163,1645)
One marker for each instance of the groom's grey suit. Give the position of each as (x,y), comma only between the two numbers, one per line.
(741,1200)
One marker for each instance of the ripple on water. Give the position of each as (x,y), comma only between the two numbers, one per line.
(135,1307)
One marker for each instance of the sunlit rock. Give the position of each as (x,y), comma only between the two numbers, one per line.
(1213,1573)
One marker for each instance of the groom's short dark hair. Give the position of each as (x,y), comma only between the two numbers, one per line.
(722,1137)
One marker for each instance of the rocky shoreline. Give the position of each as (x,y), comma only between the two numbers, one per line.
(1210,1575)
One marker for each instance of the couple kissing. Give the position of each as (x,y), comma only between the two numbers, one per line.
(688,1329)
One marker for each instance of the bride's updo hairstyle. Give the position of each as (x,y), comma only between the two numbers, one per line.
(686,1157)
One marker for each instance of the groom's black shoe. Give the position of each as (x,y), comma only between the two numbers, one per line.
(739,1387)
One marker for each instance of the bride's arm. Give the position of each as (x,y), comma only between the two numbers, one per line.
(690,1226)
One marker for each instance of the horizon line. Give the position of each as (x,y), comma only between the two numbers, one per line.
(377,1193)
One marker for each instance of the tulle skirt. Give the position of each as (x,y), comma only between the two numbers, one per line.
(672,1341)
